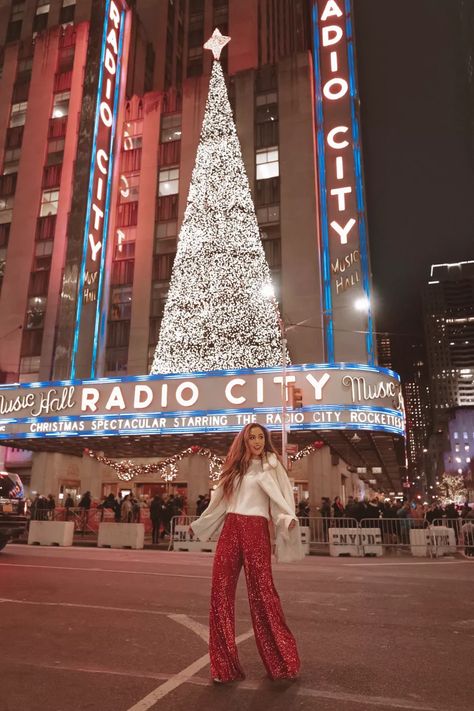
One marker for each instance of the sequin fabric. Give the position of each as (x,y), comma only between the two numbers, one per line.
(245,540)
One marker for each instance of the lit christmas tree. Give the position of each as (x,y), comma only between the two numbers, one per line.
(452,489)
(217,315)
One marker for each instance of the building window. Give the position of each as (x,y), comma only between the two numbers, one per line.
(163,266)
(167,207)
(159,294)
(18,114)
(44,249)
(165,230)
(122,272)
(268,215)
(41,16)
(267,192)
(170,128)
(29,365)
(118,334)
(49,202)
(168,183)
(267,163)
(131,160)
(61,104)
(42,7)
(35,312)
(121,304)
(116,360)
(124,250)
(68,10)
(55,147)
(129,187)
(130,143)
(11,161)
(127,214)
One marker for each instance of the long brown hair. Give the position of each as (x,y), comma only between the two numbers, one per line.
(239,456)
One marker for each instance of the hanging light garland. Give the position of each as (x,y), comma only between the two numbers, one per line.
(167,469)
(310,449)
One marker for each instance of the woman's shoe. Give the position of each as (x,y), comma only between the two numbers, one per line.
(228,681)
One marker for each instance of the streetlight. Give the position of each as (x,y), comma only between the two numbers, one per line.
(362,304)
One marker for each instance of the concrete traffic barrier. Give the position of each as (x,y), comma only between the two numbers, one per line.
(121,535)
(344,541)
(51,533)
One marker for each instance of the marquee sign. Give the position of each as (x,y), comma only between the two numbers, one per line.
(91,281)
(336,396)
(345,262)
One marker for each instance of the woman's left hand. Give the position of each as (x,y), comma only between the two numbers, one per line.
(292,525)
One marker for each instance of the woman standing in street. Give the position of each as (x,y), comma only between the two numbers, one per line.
(253,488)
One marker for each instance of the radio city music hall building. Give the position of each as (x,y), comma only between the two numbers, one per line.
(101,106)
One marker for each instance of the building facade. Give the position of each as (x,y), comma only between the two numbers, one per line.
(63,317)
(449,330)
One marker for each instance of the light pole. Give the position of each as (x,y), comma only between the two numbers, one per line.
(269,293)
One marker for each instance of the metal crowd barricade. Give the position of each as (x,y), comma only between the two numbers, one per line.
(86,521)
(182,540)
(401,534)
(347,536)
(320,526)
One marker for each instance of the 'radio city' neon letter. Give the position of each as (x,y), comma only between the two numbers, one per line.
(330,91)
(343,232)
(332,34)
(331,139)
(331,10)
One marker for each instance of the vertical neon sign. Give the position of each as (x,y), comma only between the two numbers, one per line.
(345,257)
(91,278)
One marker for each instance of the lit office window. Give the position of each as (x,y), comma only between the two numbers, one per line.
(35,312)
(170,128)
(49,202)
(61,104)
(168,182)
(268,165)
(18,114)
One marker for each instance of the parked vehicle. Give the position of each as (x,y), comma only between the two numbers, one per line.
(13,520)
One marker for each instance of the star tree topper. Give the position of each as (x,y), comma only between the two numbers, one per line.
(217,43)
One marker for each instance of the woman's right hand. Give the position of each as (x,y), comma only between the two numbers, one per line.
(190,532)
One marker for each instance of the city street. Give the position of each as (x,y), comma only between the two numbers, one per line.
(115,630)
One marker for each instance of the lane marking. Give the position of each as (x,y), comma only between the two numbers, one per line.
(105,570)
(200,629)
(247,685)
(107,608)
(180,678)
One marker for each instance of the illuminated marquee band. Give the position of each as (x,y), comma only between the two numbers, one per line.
(345,262)
(91,278)
(337,396)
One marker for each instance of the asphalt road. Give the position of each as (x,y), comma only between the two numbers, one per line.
(106,630)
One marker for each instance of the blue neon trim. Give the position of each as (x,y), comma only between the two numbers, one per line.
(321,158)
(327,426)
(100,317)
(361,207)
(202,413)
(89,196)
(202,374)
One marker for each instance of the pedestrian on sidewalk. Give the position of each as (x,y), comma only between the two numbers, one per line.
(253,488)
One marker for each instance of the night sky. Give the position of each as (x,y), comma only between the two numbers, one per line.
(419,166)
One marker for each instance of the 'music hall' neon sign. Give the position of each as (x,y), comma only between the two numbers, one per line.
(91,280)
(345,262)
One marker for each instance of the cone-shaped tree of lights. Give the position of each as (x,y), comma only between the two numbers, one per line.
(217,315)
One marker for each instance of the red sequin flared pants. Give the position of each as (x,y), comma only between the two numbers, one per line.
(246,540)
